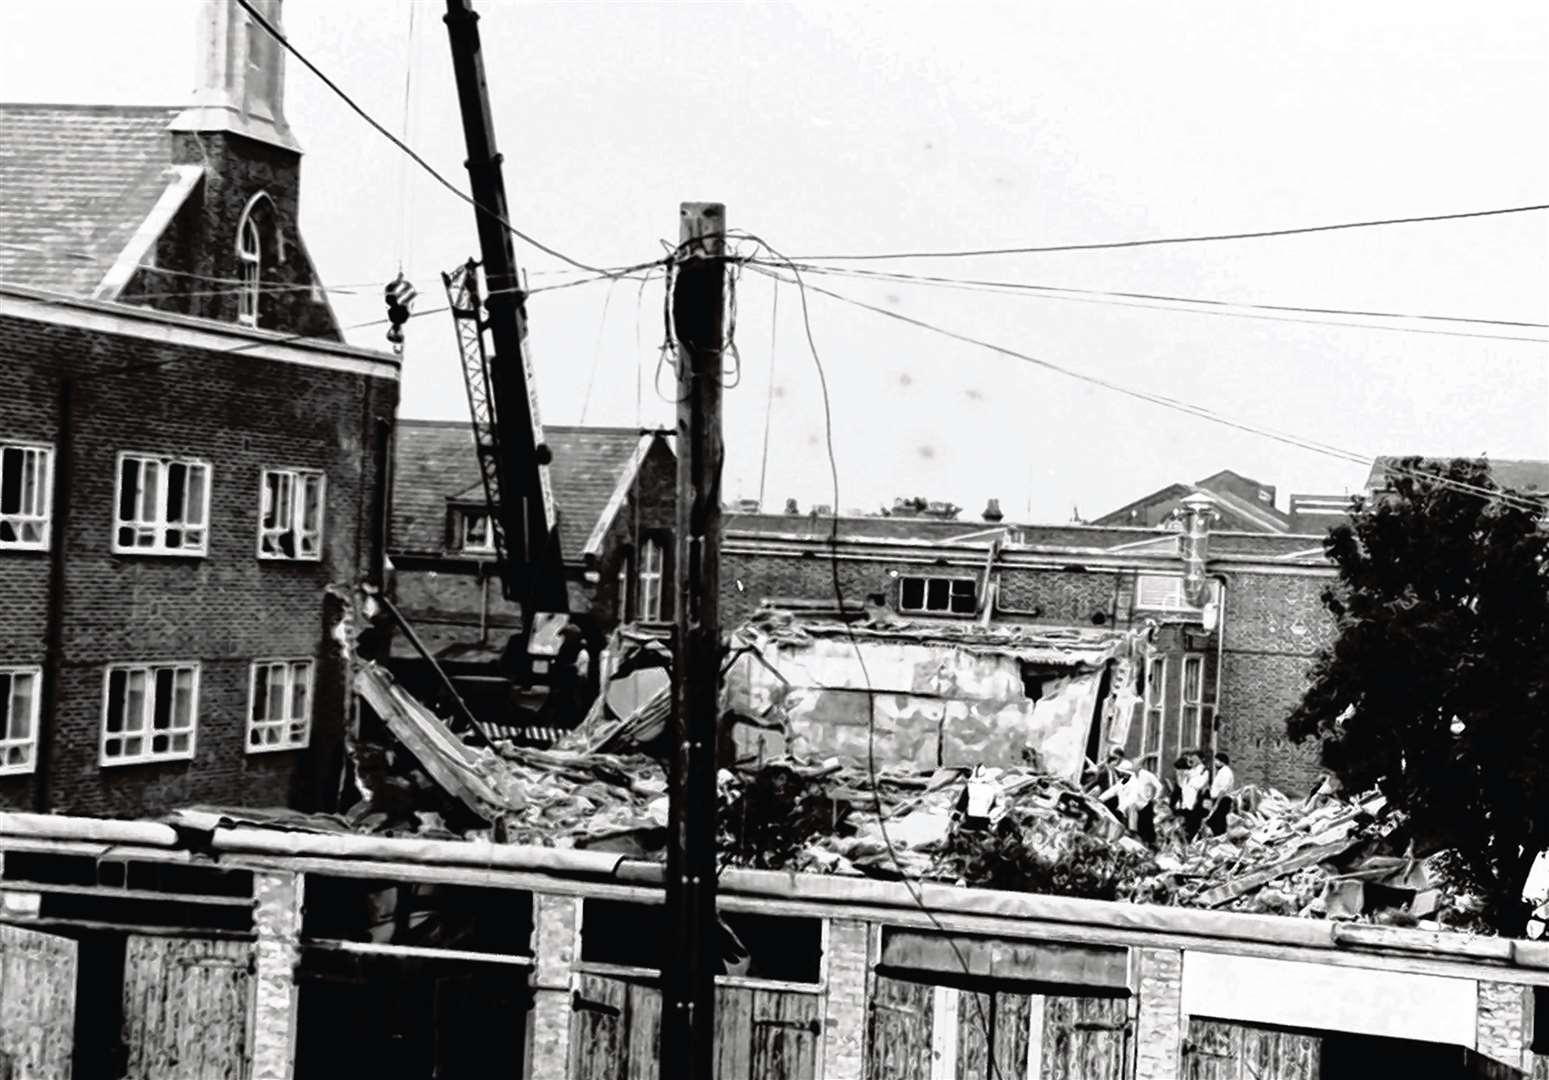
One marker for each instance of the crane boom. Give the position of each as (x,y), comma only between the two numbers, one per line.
(492,337)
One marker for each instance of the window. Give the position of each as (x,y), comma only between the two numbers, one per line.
(650,588)
(250,260)
(148,712)
(1151,736)
(20,691)
(290,524)
(1161,592)
(1191,692)
(163,506)
(279,711)
(476,533)
(26,476)
(947,596)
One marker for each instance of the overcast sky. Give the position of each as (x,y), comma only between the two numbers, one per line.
(833,128)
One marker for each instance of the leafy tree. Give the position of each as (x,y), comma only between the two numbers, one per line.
(1436,688)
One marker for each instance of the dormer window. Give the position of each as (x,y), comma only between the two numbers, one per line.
(250,257)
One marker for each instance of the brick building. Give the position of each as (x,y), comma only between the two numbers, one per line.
(1234,666)
(188,452)
(614,490)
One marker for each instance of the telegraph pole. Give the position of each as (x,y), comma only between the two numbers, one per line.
(690,965)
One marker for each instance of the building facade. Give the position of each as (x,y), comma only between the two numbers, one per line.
(189,454)
(1223,673)
(614,491)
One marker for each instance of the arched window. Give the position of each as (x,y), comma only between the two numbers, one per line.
(250,257)
(649,591)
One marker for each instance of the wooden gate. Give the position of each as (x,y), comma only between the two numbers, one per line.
(615,1031)
(1217,1050)
(1029,1036)
(37,1004)
(186,1007)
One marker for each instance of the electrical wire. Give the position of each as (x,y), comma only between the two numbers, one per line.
(403,161)
(909,884)
(774,331)
(591,378)
(1164,240)
(404,147)
(1163,400)
(1213,306)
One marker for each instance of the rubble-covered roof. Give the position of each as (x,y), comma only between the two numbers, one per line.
(435,463)
(1321,857)
(76,182)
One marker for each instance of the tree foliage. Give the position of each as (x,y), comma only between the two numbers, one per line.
(1436,686)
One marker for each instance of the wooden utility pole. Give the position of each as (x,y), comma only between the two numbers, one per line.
(693,943)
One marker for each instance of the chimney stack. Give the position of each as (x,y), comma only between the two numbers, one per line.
(992,511)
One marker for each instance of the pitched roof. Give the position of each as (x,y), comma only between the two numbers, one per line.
(1524,475)
(435,463)
(76,182)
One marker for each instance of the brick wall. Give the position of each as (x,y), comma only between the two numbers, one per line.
(202,239)
(1159,1026)
(241,414)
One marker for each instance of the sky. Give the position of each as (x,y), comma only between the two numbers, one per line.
(856,127)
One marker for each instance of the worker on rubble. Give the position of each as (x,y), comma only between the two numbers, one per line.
(1107,779)
(1221,785)
(1192,779)
(1136,794)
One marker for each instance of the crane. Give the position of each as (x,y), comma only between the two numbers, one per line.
(491,325)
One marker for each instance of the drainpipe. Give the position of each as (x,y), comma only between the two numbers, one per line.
(58,536)
(1221,650)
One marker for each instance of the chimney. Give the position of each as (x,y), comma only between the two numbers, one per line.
(992,511)
(241,76)
(1197,512)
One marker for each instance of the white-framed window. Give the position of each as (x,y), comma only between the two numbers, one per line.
(938,595)
(21,690)
(279,711)
(290,514)
(476,532)
(250,259)
(163,505)
(1191,702)
(650,581)
(26,485)
(149,712)
(1161,592)
(1153,732)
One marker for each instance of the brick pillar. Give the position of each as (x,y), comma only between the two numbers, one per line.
(1503,1032)
(1159,1027)
(554,926)
(277,920)
(844,1025)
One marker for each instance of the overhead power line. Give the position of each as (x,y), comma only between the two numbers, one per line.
(1214,306)
(1112,245)
(404,147)
(1176,404)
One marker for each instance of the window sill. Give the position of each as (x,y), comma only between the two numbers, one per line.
(278,748)
(152,759)
(18,770)
(290,558)
(917,613)
(41,545)
(163,553)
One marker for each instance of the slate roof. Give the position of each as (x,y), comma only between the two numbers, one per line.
(76,181)
(435,462)
(1527,476)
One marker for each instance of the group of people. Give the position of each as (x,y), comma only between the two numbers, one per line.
(1199,796)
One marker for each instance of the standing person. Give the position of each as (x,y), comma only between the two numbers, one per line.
(1221,787)
(1146,789)
(1193,779)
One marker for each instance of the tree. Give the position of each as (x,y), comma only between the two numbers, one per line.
(1436,687)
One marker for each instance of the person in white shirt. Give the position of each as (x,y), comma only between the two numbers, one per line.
(1193,779)
(1136,793)
(1221,788)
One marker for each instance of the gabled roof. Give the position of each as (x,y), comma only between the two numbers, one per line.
(435,464)
(1523,475)
(1121,516)
(76,184)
